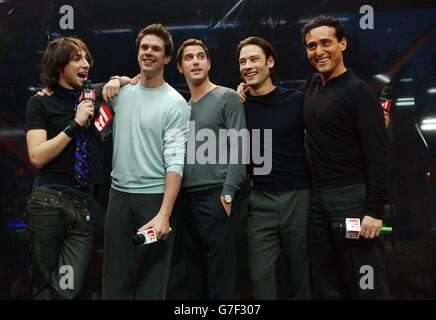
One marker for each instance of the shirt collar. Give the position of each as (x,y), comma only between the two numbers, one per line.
(63,92)
(341,80)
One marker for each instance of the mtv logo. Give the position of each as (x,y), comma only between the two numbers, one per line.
(352,227)
(87,95)
(150,234)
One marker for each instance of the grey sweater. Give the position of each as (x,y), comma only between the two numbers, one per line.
(211,151)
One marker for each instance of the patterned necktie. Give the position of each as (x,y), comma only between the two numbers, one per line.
(82,155)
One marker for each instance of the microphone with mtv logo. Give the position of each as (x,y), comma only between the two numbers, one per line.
(88,93)
(145,237)
(351,228)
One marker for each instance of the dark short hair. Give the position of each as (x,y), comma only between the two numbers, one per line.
(323,21)
(267,49)
(191,42)
(159,31)
(57,55)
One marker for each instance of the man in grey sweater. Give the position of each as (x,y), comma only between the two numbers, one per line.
(212,174)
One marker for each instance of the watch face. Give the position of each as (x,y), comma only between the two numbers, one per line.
(227,198)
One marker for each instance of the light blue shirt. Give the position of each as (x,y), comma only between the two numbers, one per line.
(150,132)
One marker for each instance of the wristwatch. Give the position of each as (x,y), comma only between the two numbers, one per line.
(227,198)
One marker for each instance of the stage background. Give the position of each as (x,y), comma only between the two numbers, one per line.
(401,45)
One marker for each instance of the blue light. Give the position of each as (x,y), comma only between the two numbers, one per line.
(17,225)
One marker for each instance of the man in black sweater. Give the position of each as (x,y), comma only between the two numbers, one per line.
(347,146)
(278,203)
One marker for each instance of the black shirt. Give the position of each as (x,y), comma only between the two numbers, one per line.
(53,114)
(346,137)
(282,111)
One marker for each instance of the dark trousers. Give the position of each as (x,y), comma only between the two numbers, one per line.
(340,267)
(277,222)
(209,245)
(61,243)
(129,271)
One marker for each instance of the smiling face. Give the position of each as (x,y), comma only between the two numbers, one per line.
(151,55)
(254,66)
(325,51)
(76,71)
(195,64)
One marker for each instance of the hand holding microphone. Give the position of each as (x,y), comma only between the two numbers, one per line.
(351,228)
(88,94)
(145,236)
(84,112)
(386,103)
(157,228)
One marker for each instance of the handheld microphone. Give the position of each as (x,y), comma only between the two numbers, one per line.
(88,94)
(351,228)
(144,237)
(386,98)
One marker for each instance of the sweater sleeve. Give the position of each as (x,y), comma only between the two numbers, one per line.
(175,137)
(234,116)
(370,123)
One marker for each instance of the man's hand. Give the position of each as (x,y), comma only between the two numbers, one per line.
(135,79)
(84,110)
(227,206)
(370,227)
(241,91)
(161,225)
(45,92)
(387,119)
(111,89)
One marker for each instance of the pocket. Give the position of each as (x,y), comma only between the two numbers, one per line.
(224,209)
(42,203)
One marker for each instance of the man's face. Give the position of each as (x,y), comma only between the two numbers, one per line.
(254,66)
(324,50)
(151,55)
(75,72)
(195,64)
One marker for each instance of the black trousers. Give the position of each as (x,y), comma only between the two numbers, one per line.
(277,222)
(209,245)
(343,268)
(61,241)
(129,271)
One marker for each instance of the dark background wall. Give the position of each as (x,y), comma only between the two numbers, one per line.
(402,44)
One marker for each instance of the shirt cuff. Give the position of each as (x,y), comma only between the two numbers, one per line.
(229,189)
(177,168)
